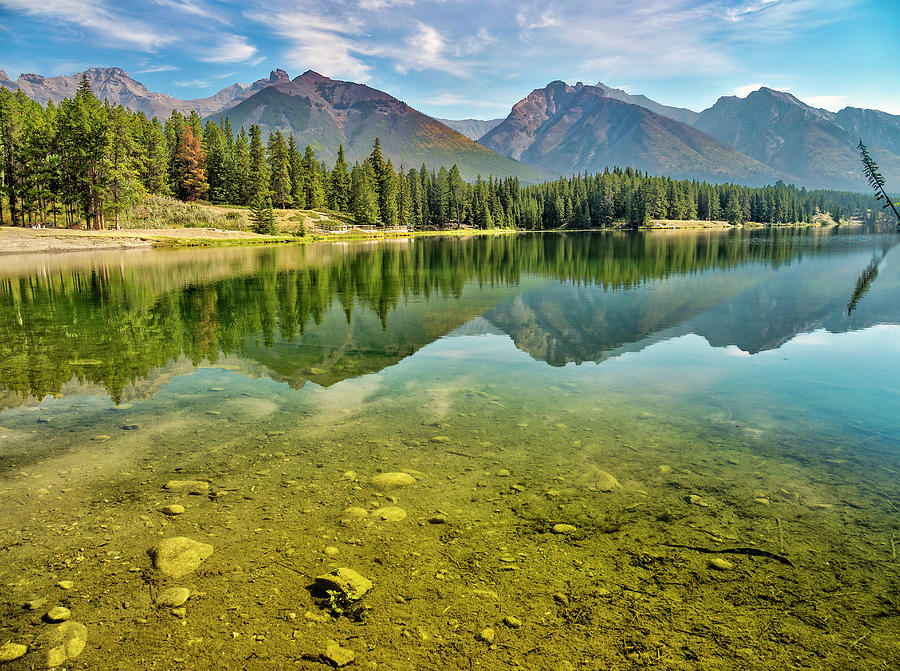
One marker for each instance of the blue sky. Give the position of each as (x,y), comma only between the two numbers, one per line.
(466,58)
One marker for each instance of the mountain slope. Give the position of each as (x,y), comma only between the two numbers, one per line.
(117,86)
(776,128)
(474,129)
(570,129)
(324,113)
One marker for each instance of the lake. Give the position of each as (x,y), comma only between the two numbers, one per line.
(668,450)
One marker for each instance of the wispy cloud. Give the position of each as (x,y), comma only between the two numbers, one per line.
(157,68)
(375,5)
(427,49)
(229,48)
(193,8)
(107,24)
(193,83)
(317,41)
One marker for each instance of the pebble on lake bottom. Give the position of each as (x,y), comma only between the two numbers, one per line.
(720,564)
(173,597)
(58,614)
(11,651)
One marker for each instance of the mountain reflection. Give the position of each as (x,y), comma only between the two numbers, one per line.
(330,312)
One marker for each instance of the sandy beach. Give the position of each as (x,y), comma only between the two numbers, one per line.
(14,240)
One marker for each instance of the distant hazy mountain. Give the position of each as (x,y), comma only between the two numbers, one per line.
(878,129)
(117,86)
(473,129)
(324,113)
(570,129)
(681,114)
(816,146)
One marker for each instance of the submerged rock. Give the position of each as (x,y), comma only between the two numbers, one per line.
(720,564)
(390,513)
(336,655)
(564,529)
(356,511)
(345,580)
(179,556)
(393,480)
(605,481)
(190,486)
(58,614)
(11,651)
(65,643)
(173,597)
(172,509)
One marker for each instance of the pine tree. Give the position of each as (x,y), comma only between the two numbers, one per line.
(240,183)
(82,138)
(262,216)
(190,176)
(339,184)
(279,169)
(259,169)
(215,147)
(121,163)
(363,199)
(313,191)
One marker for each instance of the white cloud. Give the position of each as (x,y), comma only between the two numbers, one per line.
(193,83)
(534,20)
(157,68)
(110,26)
(192,7)
(833,103)
(374,5)
(229,48)
(734,14)
(331,46)
(461,99)
(427,49)
(747,89)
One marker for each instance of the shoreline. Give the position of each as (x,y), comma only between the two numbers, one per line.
(17,240)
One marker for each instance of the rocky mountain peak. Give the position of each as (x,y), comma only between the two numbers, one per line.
(313,77)
(32,78)
(4,77)
(278,75)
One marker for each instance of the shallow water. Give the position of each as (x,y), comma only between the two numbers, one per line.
(717,377)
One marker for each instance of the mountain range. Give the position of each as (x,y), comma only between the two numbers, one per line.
(571,129)
(556,130)
(324,113)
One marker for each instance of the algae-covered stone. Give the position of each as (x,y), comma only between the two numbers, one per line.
(172,509)
(564,529)
(11,651)
(356,511)
(606,482)
(393,480)
(58,614)
(390,513)
(345,580)
(189,486)
(179,556)
(173,597)
(336,655)
(65,643)
(720,564)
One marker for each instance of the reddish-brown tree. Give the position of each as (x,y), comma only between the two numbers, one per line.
(190,167)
